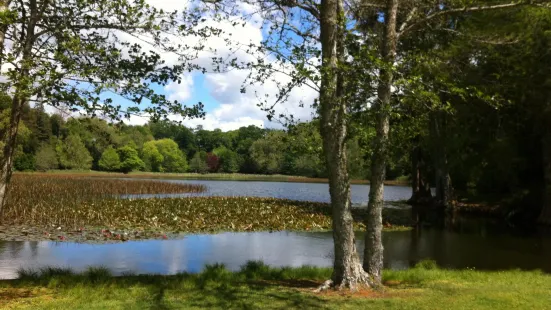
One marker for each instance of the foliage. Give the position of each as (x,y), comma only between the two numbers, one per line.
(110,160)
(268,153)
(72,153)
(229,160)
(24,162)
(152,158)
(198,163)
(46,158)
(129,159)
(213,162)
(173,159)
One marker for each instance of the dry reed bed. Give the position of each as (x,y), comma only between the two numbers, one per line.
(32,197)
(86,209)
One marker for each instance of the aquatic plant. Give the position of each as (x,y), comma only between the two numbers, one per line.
(68,208)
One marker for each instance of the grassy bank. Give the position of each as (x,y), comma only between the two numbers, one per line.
(70,208)
(198,176)
(257,286)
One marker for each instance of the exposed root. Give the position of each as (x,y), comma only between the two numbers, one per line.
(353,284)
(324,287)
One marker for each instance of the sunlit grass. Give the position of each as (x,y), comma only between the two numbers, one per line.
(257,286)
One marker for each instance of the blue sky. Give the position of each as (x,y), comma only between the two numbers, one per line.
(226,107)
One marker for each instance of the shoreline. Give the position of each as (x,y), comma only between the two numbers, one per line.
(196,176)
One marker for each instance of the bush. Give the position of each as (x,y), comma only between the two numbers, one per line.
(24,162)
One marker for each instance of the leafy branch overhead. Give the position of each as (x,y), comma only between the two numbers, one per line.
(78,53)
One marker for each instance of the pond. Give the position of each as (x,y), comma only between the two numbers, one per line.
(470,243)
(318,192)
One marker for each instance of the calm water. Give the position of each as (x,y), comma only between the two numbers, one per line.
(295,191)
(467,245)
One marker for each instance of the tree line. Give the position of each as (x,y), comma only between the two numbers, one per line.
(50,141)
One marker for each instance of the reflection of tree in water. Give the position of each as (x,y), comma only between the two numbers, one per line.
(14,248)
(33,245)
(413,255)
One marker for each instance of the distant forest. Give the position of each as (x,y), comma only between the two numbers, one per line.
(48,142)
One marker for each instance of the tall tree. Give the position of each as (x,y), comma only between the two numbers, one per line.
(347,267)
(373,252)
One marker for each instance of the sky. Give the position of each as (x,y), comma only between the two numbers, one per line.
(225,106)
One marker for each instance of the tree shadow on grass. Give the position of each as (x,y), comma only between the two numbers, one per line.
(254,286)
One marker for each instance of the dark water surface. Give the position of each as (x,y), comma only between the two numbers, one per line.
(288,190)
(468,244)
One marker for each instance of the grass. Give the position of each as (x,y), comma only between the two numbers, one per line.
(83,209)
(257,286)
(208,176)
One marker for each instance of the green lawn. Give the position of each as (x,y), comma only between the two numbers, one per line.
(259,287)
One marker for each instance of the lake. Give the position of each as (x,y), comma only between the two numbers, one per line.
(318,192)
(468,245)
(473,243)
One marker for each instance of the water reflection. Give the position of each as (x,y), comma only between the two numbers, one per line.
(469,245)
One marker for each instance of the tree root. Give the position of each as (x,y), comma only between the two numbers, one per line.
(324,287)
(364,281)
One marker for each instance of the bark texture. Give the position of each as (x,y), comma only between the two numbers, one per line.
(373,253)
(347,266)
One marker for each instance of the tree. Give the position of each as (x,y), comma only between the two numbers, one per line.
(229,160)
(198,163)
(173,158)
(110,160)
(268,153)
(242,142)
(304,151)
(213,162)
(72,154)
(46,158)
(152,158)
(72,52)
(129,159)
(347,268)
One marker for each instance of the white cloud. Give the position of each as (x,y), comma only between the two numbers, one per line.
(235,108)
(182,91)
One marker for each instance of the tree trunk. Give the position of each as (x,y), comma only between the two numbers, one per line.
(10,140)
(444,190)
(545,215)
(373,253)
(347,270)
(420,188)
(20,96)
